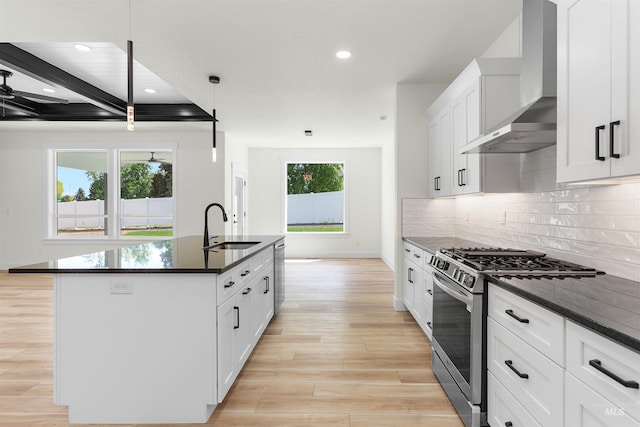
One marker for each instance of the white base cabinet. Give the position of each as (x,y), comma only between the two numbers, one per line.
(418,286)
(243,317)
(545,370)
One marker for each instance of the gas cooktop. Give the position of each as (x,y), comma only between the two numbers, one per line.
(516,263)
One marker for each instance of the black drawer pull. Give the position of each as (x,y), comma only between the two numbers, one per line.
(515,316)
(230,284)
(598,156)
(509,363)
(409,274)
(429,325)
(247,291)
(508,424)
(407,250)
(246,272)
(416,256)
(237,317)
(266,291)
(598,365)
(430,292)
(612,152)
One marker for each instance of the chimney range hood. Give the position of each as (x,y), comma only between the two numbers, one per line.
(533,126)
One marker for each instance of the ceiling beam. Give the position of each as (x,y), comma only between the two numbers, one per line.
(34,67)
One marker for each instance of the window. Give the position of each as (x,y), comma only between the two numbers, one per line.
(113,193)
(315,201)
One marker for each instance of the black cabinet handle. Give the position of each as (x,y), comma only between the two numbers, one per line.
(246,273)
(230,284)
(416,256)
(266,278)
(612,152)
(407,250)
(598,365)
(436,183)
(508,424)
(463,182)
(598,156)
(237,309)
(410,278)
(247,291)
(515,316)
(429,325)
(509,363)
(430,292)
(459,177)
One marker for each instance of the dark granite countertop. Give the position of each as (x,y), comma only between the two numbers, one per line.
(605,304)
(179,255)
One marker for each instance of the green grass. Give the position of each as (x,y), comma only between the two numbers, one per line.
(149,233)
(315,229)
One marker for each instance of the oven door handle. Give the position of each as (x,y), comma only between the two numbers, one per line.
(443,284)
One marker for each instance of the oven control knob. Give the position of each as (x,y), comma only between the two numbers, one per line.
(469,281)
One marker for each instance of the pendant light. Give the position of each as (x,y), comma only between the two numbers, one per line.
(214,80)
(130,109)
(130,115)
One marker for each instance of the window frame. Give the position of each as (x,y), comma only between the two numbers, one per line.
(113,169)
(285,193)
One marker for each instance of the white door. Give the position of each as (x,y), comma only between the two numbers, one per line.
(239,208)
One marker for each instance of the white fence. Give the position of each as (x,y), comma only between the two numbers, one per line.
(133,213)
(315,208)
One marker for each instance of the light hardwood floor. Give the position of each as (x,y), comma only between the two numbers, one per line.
(336,355)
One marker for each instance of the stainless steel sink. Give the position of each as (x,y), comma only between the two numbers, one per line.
(232,245)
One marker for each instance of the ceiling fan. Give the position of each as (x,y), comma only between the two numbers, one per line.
(153,159)
(7,92)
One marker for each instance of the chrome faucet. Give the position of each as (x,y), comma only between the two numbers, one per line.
(206,221)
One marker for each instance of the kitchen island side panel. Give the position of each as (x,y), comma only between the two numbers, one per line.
(135,348)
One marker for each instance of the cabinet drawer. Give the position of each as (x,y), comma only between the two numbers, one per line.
(585,407)
(536,325)
(503,408)
(533,379)
(588,351)
(414,253)
(231,281)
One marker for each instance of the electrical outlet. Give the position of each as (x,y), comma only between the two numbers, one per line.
(121,287)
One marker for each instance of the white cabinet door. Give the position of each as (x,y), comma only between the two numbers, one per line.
(584,407)
(440,155)
(268,299)
(242,336)
(465,126)
(226,324)
(595,68)
(412,278)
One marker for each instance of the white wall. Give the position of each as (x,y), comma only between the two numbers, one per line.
(412,100)
(362,185)
(23,174)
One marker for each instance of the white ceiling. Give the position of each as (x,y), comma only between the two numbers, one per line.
(275,57)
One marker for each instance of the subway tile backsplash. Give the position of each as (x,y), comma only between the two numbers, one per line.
(594,226)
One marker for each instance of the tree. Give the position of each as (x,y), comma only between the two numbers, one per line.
(80,195)
(59,190)
(303,178)
(162,181)
(135,181)
(96,189)
(67,198)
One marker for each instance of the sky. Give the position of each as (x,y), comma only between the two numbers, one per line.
(72,179)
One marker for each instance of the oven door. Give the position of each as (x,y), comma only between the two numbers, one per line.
(458,335)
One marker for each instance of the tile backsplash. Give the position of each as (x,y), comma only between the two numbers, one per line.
(594,226)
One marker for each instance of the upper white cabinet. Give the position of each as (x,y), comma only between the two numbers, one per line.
(598,89)
(482,95)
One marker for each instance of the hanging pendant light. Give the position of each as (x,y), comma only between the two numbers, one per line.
(130,109)
(130,115)
(214,155)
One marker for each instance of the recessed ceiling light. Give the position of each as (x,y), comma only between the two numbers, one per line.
(343,54)
(82,47)
(150,90)
(48,90)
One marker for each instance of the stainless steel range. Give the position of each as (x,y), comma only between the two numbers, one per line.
(459,316)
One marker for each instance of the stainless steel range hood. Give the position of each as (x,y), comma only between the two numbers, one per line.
(533,126)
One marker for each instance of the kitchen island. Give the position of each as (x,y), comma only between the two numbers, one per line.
(157,332)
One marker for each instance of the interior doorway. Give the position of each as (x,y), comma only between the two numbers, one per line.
(239,200)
